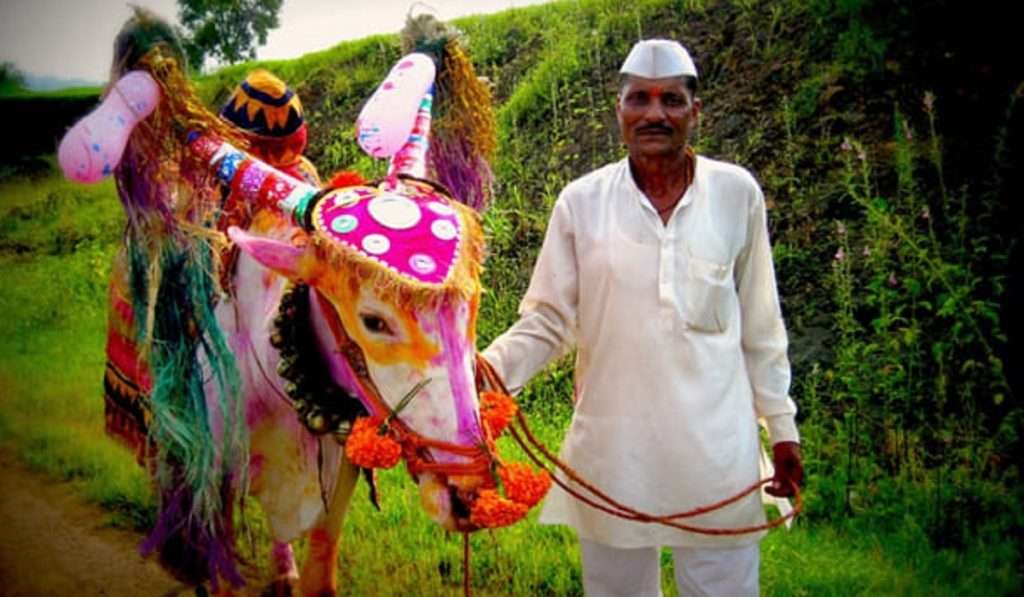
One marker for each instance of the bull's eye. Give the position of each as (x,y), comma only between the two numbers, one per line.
(376,324)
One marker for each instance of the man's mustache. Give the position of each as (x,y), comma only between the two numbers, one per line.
(655,128)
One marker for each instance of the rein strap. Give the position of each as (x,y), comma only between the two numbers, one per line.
(545,459)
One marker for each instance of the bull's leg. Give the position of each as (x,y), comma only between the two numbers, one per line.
(286,573)
(319,573)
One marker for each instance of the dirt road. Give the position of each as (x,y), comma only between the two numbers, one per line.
(54,543)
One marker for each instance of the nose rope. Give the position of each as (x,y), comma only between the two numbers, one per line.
(542,457)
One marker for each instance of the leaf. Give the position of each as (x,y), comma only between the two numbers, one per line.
(913,286)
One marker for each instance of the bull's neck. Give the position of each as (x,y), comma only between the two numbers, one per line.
(327,345)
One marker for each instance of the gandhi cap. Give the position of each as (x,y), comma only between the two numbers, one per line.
(657,59)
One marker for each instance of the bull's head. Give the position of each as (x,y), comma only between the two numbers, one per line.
(395,269)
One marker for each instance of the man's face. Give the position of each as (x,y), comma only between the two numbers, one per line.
(656,115)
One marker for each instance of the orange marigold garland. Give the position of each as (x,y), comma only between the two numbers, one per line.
(523,484)
(491,510)
(496,411)
(369,446)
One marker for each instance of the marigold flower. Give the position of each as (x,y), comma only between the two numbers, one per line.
(496,411)
(490,510)
(367,448)
(523,484)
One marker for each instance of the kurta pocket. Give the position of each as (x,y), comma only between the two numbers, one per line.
(707,292)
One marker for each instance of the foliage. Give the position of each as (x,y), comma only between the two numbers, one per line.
(909,427)
(917,390)
(228,31)
(11,80)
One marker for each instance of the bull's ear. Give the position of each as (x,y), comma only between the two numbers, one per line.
(294,263)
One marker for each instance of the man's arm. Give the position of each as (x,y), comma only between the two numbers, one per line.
(764,349)
(547,315)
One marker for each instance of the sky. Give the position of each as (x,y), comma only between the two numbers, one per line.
(72,39)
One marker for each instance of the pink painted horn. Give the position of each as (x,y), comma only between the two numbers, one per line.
(385,122)
(411,159)
(94,145)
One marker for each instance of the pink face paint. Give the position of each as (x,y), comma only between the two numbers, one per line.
(463,389)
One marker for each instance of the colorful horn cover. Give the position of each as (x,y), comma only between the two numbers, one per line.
(253,180)
(411,229)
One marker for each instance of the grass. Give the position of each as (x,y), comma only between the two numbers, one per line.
(778,99)
(51,360)
(66,93)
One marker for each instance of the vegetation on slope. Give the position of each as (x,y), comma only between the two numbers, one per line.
(885,142)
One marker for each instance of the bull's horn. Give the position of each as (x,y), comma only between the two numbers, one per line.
(255,181)
(92,148)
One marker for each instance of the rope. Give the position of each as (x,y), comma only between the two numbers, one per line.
(521,433)
(467,590)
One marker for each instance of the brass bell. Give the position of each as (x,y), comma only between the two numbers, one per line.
(286,368)
(316,423)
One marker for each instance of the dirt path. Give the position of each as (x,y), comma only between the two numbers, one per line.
(53,543)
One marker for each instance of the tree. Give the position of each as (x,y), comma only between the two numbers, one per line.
(226,30)
(11,79)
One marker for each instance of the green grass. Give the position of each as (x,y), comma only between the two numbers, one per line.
(67,93)
(51,361)
(780,98)
(55,249)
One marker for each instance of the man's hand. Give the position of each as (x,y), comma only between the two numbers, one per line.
(789,469)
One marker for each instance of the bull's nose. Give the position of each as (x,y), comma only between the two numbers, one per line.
(460,506)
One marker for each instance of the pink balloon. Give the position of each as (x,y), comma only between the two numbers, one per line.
(92,148)
(388,117)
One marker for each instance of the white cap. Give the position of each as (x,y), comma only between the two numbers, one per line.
(658,59)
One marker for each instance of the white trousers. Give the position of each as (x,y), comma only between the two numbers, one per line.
(615,572)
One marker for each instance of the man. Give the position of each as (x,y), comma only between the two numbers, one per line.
(269,113)
(658,270)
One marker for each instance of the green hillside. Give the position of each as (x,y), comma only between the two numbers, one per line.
(885,141)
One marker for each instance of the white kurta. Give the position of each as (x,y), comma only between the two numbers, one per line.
(680,348)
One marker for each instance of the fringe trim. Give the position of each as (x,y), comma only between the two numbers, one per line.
(462,283)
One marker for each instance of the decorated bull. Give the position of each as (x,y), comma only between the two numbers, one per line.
(342,337)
